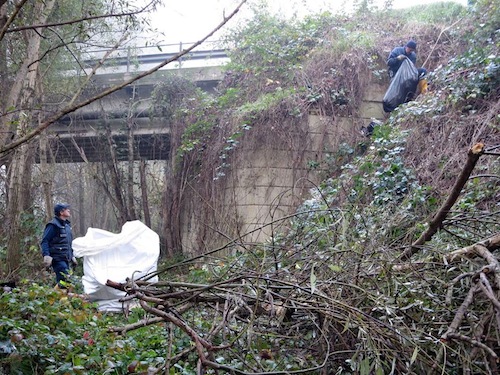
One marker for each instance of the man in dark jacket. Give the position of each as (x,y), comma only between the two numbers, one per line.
(398,54)
(56,244)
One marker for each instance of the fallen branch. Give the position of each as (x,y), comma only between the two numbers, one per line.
(480,283)
(484,250)
(452,283)
(473,156)
(141,323)
(457,336)
(488,292)
(490,244)
(460,314)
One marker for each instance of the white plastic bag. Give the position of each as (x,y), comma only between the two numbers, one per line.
(131,253)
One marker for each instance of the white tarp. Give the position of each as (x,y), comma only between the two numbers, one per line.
(107,256)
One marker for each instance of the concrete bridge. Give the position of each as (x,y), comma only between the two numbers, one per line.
(84,134)
(264,184)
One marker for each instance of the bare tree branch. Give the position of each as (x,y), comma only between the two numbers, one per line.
(473,156)
(12,17)
(72,22)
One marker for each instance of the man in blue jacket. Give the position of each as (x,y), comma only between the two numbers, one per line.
(56,244)
(398,54)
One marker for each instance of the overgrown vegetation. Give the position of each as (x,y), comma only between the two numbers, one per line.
(331,291)
(48,331)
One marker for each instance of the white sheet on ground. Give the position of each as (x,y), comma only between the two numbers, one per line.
(131,253)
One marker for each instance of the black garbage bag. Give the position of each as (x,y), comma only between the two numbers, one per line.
(403,86)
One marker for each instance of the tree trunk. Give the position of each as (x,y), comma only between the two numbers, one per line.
(116,180)
(22,96)
(3,54)
(46,176)
(130,179)
(81,203)
(171,213)
(144,192)
(18,201)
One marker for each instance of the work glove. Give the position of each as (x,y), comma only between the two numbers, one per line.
(47,261)
(401,57)
(74,261)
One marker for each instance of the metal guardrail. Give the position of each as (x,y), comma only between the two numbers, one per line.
(128,58)
(158,58)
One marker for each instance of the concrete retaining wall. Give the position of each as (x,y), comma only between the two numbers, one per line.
(268,183)
(270,186)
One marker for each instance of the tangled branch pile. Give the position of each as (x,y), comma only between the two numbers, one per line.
(309,320)
(282,307)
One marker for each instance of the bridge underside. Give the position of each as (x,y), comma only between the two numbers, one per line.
(99,148)
(90,133)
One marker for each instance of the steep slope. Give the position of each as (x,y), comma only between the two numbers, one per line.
(342,291)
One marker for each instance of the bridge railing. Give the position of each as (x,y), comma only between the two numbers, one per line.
(136,59)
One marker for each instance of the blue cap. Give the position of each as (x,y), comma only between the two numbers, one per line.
(411,44)
(60,207)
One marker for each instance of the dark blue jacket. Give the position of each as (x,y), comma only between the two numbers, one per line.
(393,63)
(57,239)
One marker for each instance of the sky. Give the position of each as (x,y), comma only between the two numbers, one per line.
(190,20)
